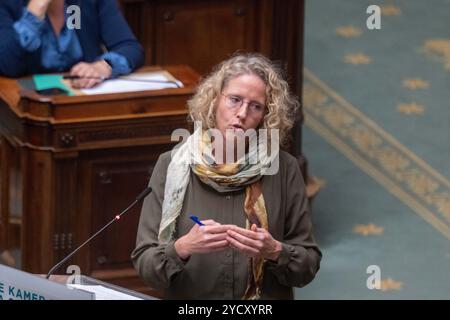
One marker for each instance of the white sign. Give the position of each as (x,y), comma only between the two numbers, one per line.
(20,285)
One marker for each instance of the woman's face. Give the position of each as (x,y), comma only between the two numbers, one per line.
(241,105)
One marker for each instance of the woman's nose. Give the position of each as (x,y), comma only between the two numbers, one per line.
(243,111)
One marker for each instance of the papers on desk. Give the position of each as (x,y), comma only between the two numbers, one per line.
(103,293)
(156,80)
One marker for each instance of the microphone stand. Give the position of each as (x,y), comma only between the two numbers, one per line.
(141,196)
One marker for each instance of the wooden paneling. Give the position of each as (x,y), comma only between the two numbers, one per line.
(194,31)
(68,165)
(202,33)
(110,174)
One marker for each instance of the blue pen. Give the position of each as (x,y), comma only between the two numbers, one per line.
(196,220)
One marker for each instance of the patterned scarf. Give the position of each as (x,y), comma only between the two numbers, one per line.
(224,178)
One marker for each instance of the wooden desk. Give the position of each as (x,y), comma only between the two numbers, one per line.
(69,164)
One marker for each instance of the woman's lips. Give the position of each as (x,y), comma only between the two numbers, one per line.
(237,127)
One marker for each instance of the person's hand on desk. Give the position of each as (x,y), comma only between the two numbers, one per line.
(256,242)
(208,238)
(91,74)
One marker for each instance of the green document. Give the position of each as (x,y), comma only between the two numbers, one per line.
(47,81)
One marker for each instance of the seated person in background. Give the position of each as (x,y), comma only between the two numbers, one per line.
(35,39)
(257,240)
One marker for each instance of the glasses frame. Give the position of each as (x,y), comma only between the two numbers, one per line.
(239,105)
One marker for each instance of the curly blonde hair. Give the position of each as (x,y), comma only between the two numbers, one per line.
(281,104)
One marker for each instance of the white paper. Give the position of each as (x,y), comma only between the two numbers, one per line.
(123,85)
(103,293)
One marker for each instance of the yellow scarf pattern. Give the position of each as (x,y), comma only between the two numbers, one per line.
(223,178)
(254,208)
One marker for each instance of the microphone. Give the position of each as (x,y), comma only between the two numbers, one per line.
(141,196)
(69,77)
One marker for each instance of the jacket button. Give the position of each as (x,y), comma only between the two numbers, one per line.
(228,197)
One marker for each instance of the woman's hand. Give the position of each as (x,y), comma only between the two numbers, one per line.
(202,239)
(38,7)
(256,242)
(93,73)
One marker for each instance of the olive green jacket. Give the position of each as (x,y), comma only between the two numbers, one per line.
(223,274)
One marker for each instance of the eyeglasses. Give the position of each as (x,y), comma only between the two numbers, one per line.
(236,102)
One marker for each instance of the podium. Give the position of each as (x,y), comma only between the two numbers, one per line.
(70,163)
(20,285)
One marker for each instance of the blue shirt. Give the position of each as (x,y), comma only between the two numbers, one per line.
(59,53)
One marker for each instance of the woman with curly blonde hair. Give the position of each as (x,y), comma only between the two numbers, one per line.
(252,236)
(282,107)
